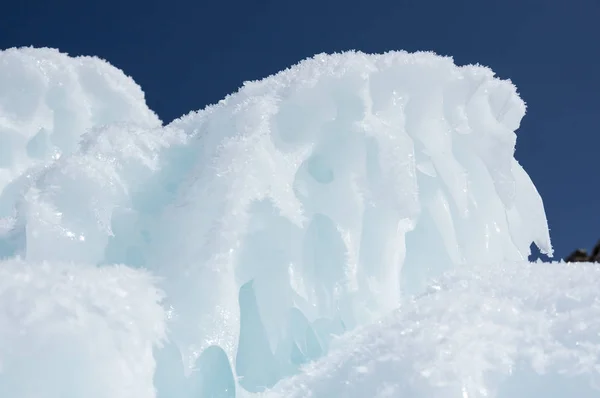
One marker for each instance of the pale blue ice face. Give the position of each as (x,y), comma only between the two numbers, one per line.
(224,255)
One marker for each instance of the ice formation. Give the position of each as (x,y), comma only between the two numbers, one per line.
(48,101)
(304,206)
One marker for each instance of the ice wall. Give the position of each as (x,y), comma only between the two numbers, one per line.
(336,185)
(516,330)
(302,206)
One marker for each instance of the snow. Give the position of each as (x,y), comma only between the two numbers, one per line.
(512,330)
(48,101)
(74,330)
(310,186)
(226,252)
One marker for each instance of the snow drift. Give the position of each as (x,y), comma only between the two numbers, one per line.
(72,330)
(512,330)
(304,205)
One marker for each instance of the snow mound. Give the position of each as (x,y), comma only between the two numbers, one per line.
(70,330)
(510,331)
(48,101)
(304,205)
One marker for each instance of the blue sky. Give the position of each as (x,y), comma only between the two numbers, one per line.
(187,54)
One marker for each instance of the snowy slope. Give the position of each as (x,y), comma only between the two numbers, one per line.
(508,331)
(306,205)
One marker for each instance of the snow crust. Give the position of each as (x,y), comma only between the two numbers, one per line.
(304,206)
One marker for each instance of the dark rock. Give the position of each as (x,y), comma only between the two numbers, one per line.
(581,255)
(595,256)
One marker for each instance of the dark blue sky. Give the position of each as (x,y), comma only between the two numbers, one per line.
(186,54)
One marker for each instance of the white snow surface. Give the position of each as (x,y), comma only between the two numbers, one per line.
(512,330)
(73,330)
(316,202)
